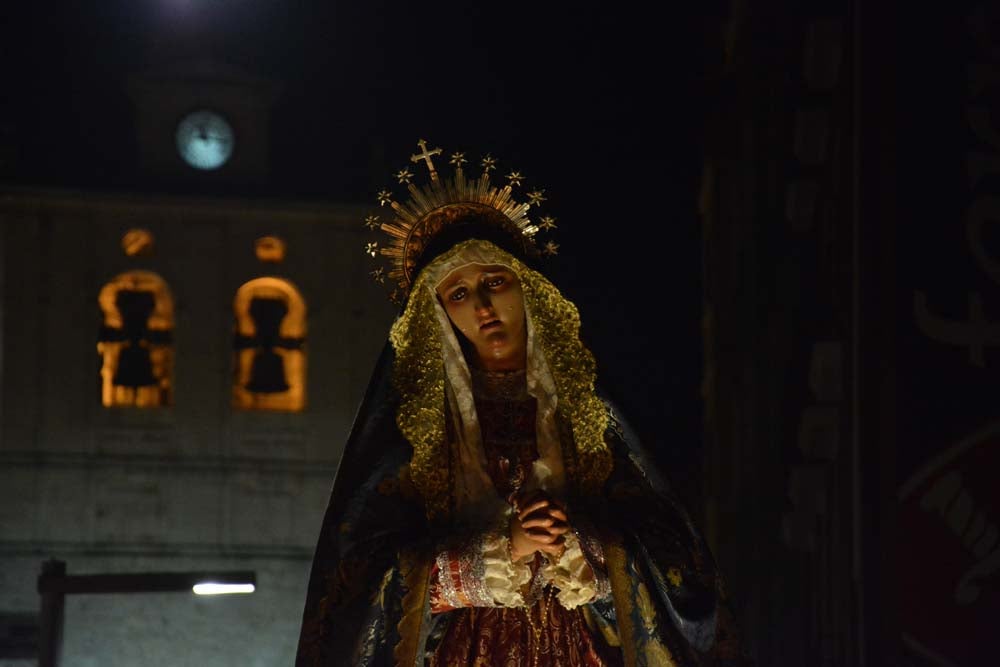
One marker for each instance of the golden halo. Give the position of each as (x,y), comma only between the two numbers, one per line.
(443,203)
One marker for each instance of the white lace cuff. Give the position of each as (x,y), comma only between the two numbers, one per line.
(502,577)
(573,575)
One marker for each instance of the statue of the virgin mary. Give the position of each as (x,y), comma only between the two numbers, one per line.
(492,506)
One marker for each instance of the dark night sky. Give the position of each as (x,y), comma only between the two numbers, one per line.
(557,84)
(603,105)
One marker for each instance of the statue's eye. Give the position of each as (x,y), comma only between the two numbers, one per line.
(495,281)
(458,294)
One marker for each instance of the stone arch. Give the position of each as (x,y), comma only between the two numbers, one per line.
(269,346)
(135,343)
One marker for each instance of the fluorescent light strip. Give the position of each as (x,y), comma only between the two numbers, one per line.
(210,588)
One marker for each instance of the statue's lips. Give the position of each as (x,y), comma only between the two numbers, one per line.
(490,326)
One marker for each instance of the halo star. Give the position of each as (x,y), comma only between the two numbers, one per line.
(536,197)
(371,248)
(548,223)
(384,197)
(379,275)
(515,178)
(551,248)
(457,159)
(489,163)
(371,222)
(404,175)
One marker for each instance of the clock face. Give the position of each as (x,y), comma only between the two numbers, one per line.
(204,139)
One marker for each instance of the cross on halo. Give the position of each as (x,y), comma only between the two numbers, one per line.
(426,156)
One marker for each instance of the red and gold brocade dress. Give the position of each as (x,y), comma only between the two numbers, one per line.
(528,625)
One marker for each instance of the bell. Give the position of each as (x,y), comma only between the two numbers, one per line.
(267,371)
(135,368)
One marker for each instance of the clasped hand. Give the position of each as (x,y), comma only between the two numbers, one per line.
(539,524)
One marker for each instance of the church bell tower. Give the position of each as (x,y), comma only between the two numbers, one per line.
(203,123)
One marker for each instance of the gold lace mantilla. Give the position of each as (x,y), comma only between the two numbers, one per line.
(419,376)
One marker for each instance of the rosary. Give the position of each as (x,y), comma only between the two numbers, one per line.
(544,605)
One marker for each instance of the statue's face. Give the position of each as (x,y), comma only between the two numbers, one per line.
(485,303)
